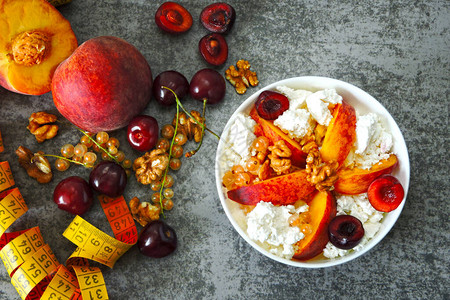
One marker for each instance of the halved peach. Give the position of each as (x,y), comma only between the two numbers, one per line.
(322,209)
(356,181)
(281,190)
(34,39)
(274,134)
(340,135)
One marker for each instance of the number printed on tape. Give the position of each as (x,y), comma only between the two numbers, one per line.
(6,178)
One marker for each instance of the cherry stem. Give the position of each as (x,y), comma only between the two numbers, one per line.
(68,159)
(98,145)
(190,116)
(170,156)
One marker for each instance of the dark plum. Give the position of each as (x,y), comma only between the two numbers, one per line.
(207,84)
(157,239)
(143,132)
(174,81)
(173,18)
(214,49)
(345,231)
(385,193)
(73,195)
(218,17)
(270,105)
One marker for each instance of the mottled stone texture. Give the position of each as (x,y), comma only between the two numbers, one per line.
(398,51)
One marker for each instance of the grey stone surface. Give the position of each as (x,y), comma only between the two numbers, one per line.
(397,51)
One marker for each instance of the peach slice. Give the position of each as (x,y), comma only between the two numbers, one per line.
(356,181)
(34,39)
(281,190)
(274,134)
(322,209)
(340,135)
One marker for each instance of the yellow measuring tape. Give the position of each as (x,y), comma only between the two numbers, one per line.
(32,266)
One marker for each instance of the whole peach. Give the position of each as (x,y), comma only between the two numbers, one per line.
(102,85)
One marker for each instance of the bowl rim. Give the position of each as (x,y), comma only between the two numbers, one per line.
(352,93)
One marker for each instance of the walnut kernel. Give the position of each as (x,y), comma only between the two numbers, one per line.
(40,126)
(151,166)
(36,165)
(144,212)
(280,157)
(241,78)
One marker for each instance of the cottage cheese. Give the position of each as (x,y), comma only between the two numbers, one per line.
(373,142)
(318,109)
(238,142)
(359,207)
(304,108)
(297,98)
(296,122)
(269,226)
(364,131)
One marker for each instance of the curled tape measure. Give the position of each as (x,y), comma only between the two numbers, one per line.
(6,178)
(34,270)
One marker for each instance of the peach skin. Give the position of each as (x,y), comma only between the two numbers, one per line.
(356,181)
(280,190)
(340,135)
(322,209)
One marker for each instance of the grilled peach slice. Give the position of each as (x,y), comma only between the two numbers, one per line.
(281,190)
(340,135)
(322,209)
(274,134)
(356,181)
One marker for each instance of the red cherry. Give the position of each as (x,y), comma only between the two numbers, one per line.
(218,17)
(157,239)
(214,49)
(207,84)
(142,132)
(73,195)
(385,193)
(345,231)
(173,18)
(270,105)
(108,178)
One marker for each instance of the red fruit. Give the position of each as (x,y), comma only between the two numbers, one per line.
(174,81)
(108,178)
(173,18)
(271,104)
(157,239)
(214,49)
(218,17)
(102,85)
(142,133)
(73,195)
(345,231)
(207,84)
(280,190)
(385,193)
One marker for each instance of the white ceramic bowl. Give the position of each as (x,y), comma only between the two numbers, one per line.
(364,103)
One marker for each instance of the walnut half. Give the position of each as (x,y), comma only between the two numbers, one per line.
(36,165)
(40,126)
(241,78)
(143,212)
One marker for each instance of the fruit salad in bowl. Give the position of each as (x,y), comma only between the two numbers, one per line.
(312,171)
